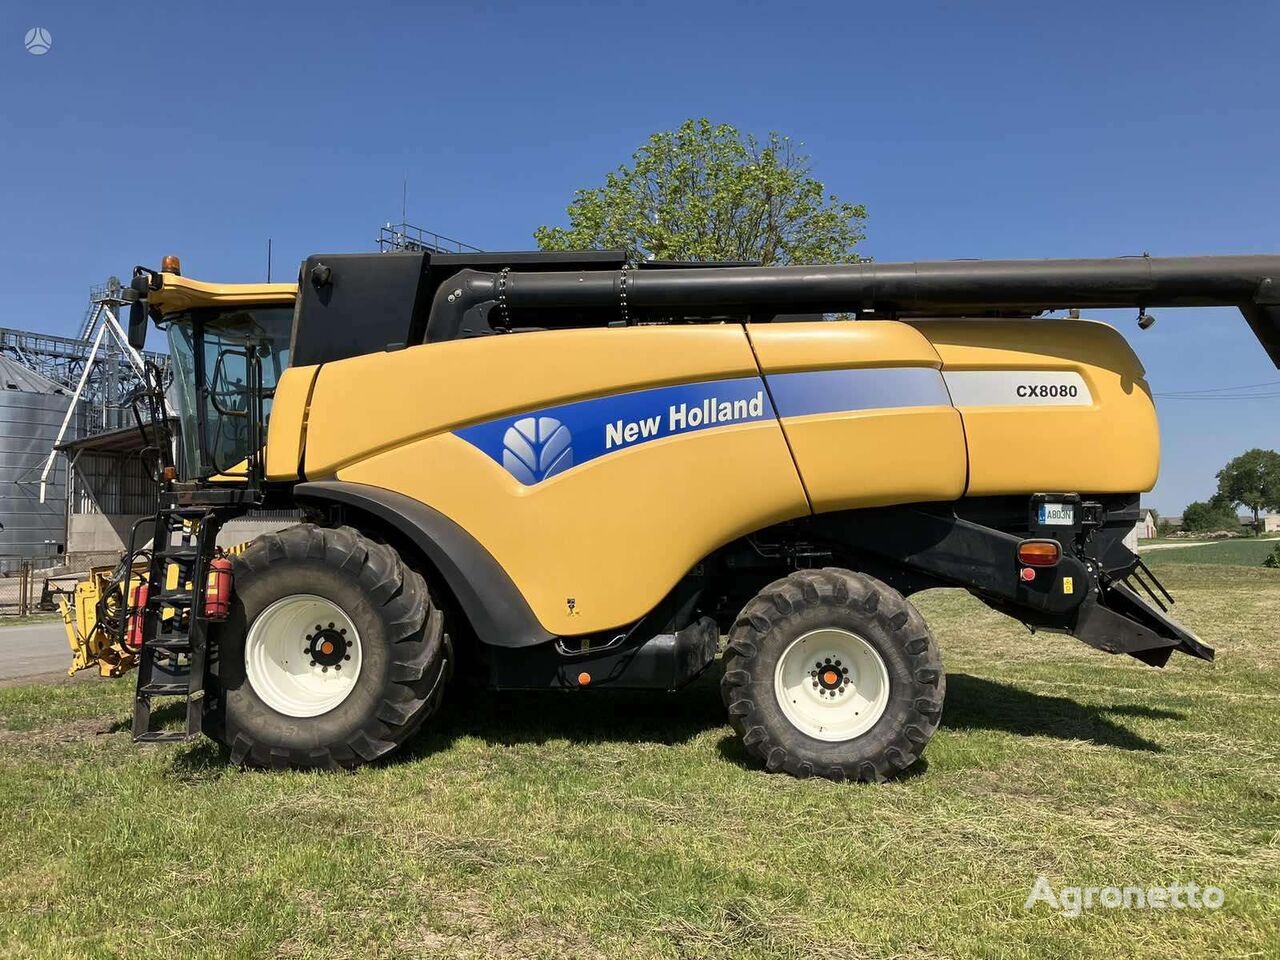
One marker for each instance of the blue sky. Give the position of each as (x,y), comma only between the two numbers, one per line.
(978,130)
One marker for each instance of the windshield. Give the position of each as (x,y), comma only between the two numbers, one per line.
(211,351)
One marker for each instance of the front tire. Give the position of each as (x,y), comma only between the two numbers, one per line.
(835,674)
(333,654)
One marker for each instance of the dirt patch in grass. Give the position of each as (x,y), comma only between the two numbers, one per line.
(69,731)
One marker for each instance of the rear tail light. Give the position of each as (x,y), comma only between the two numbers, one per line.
(1039,553)
(217,590)
(137,615)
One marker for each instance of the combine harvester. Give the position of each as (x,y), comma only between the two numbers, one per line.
(561,471)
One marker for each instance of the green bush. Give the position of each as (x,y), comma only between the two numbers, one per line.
(1200,517)
(1273,558)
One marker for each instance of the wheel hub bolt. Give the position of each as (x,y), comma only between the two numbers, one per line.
(829,676)
(327,648)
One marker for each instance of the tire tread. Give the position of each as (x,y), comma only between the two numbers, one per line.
(419,647)
(752,632)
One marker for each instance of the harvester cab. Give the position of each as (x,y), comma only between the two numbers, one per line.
(229,345)
(563,470)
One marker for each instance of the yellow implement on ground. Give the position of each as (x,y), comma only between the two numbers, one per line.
(93,643)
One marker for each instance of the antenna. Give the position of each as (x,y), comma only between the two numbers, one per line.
(268,259)
(404,200)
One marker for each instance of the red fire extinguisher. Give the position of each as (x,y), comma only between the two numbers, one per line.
(217,591)
(137,615)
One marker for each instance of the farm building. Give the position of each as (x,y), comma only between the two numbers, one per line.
(1147,525)
(40,376)
(32,408)
(112,488)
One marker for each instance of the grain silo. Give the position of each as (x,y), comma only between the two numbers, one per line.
(31,410)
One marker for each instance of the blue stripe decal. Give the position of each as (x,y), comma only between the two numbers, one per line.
(541,443)
(872,388)
(538,444)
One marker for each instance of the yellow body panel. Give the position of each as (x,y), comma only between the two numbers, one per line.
(866,458)
(876,458)
(286,430)
(1111,445)
(382,400)
(820,345)
(236,474)
(182,293)
(595,546)
(612,536)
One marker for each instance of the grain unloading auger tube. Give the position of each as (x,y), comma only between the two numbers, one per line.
(474,301)
(589,471)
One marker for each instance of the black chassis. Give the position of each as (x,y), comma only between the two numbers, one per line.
(1100,592)
(1093,593)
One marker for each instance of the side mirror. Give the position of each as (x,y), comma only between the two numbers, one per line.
(138,324)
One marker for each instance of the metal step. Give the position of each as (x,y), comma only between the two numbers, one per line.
(163,736)
(175,644)
(164,689)
(187,513)
(179,553)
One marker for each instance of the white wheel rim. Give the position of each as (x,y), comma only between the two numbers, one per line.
(831,684)
(302,655)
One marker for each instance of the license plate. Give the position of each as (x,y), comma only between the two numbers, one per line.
(1057,514)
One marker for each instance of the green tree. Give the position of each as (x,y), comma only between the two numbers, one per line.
(707,192)
(1201,517)
(1252,480)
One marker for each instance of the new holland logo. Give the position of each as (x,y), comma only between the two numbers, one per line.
(535,445)
(535,448)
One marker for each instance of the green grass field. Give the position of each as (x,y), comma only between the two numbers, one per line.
(1248,553)
(608,826)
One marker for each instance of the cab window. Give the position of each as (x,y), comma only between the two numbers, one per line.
(213,351)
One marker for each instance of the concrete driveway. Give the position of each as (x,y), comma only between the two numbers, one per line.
(34,650)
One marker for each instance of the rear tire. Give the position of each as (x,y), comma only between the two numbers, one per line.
(281,699)
(835,674)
